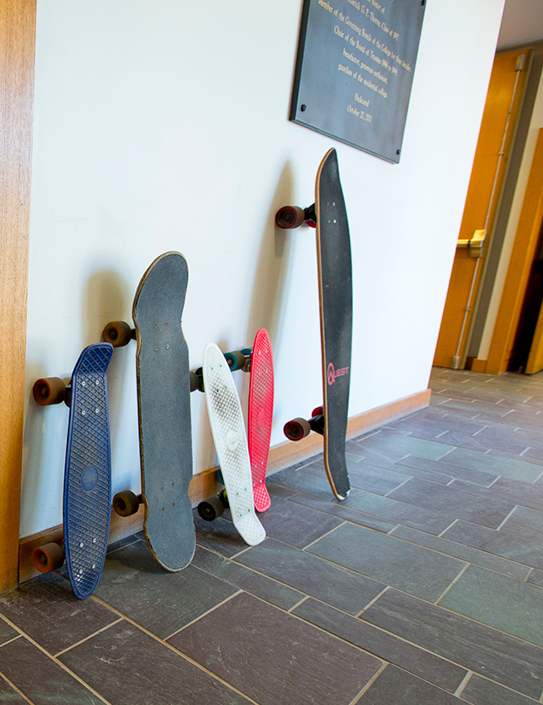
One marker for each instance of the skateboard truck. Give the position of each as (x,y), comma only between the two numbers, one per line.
(299,428)
(237,360)
(213,507)
(289,217)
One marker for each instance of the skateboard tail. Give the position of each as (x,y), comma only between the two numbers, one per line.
(87,476)
(228,429)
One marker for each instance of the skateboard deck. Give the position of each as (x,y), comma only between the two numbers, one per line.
(163,380)
(87,469)
(228,429)
(260,414)
(335,303)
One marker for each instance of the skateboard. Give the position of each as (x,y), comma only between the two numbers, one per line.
(163,379)
(228,429)
(335,304)
(260,414)
(87,470)
(258,361)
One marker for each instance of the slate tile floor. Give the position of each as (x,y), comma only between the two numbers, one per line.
(425,587)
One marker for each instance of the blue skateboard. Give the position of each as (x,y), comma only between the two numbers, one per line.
(87,470)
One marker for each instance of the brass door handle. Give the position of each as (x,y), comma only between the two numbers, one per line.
(474,244)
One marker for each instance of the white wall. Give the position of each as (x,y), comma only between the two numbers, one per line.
(536,124)
(162,125)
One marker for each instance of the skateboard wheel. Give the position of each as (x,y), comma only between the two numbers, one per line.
(47,558)
(317,411)
(223,496)
(289,217)
(211,508)
(126,503)
(220,476)
(49,390)
(118,333)
(235,360)
(194,381)
(297,429)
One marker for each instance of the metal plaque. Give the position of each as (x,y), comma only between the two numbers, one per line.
(354,71)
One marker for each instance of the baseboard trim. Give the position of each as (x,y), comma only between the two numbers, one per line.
(205,484)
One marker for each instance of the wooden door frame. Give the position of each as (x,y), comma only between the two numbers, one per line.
(519,266)
(17,55)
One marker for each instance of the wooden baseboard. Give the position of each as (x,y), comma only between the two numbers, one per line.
(205,484)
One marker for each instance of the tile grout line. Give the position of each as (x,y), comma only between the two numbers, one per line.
(410,477)
(176,651)
(527,578)
(301,602)
(440,535)
(10,641)
(55,660)
(368,685)
(204,614)
(465,680)
(372,602)
(82,641)
(17,690)
(506,518)
(460,574)
(312,543)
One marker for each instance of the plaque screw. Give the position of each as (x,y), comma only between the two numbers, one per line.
(303,108)
(398,151)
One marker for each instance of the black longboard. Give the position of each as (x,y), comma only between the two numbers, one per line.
(335,303)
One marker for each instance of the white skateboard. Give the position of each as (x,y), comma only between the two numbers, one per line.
(226,419)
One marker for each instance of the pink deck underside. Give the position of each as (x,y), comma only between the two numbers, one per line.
(260,416)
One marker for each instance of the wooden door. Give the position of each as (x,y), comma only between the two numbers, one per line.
(17,45)
(501,110)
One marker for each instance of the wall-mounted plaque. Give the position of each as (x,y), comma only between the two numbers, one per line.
(354,71)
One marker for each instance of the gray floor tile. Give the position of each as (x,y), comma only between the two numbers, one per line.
(396,686)
(497,465)
(162,602)
(395,446)
(502,544)
(449,470)
(248,580)
(8,695)
(524,522)
(339,510)
(295,524)
(398,512)
(47,610)
(411,568)
(481,691)
(463,553)
(39,678)
(536,578)
(219,536)
(313,576)
(457,504)
(475,646)
(303,664)
(6,632)
(302,482)
(411,658)
(128,667)
(500,602)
